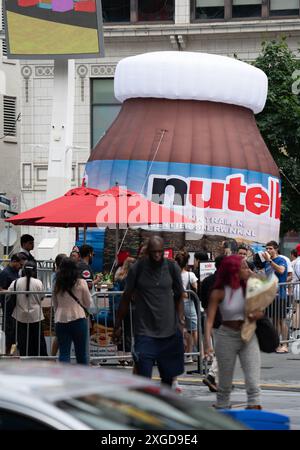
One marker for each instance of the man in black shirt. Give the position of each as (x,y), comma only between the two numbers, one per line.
(7,276)
(159,313)
(85,270)
(11,271)
(27,244)
(84,265)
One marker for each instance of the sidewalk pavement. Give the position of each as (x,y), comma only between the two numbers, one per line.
(279,371)
(277,401)
(280,384)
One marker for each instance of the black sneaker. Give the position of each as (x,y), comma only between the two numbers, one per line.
(210,382)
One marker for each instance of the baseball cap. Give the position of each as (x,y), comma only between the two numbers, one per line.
(122,255)
(298,249)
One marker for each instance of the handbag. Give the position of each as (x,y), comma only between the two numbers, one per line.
(88,315)
(267,336)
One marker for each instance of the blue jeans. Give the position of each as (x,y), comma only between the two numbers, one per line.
(75,331)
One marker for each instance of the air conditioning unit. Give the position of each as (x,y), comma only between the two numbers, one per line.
(47,249)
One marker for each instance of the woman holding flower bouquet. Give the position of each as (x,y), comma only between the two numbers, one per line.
(229,295)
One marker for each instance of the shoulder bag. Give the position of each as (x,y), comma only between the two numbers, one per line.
(267,335)
(88,315)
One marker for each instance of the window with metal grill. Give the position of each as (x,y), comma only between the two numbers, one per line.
(2,33)
(4,48)
(2,21)
(244,9)
(9,116)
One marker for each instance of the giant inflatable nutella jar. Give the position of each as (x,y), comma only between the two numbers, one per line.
(187,131)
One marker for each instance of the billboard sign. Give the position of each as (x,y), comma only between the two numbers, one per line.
(50,29)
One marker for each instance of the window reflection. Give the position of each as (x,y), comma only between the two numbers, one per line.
(116,10)
(284,7)
(209,9)
(147,409)
(105,107)
(246,8)
(155,10)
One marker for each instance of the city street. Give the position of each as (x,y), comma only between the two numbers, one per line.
(279,382)
(278,401)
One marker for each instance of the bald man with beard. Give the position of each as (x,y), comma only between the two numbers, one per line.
(156,285)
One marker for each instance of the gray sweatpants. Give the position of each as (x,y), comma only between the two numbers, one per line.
(213,371)
(229,344)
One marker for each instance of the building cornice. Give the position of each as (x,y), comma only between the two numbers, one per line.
(230,27)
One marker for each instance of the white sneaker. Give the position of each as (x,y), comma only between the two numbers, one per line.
(188,360)
(176,387)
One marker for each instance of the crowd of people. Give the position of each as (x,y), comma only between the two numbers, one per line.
(163,325)
(22,313)
(152,282)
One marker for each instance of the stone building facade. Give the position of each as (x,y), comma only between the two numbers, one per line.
(10,137)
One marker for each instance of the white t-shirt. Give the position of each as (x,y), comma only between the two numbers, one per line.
(188,278)
(289,264)
(296,270)
(296,278)
(28,309)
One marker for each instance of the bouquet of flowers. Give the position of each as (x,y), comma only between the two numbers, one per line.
(106,280)
(260,293)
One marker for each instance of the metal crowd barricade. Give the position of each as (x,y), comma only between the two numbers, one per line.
(44,271)
(17,335)
(104,308)
(284,312)
(199,351)
(101,346)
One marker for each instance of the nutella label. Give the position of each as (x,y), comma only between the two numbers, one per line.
(221,201)
(230,207)
(233,194)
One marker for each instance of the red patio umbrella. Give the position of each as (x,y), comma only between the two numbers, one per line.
(116,208)
(85,207)
(78,200)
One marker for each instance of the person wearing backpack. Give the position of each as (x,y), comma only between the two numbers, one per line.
(156,285)
(71,300)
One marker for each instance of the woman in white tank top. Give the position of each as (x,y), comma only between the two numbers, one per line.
(229,295)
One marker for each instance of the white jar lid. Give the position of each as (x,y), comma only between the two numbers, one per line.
(191,76)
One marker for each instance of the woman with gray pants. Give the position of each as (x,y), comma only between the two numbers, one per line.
(229,296)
